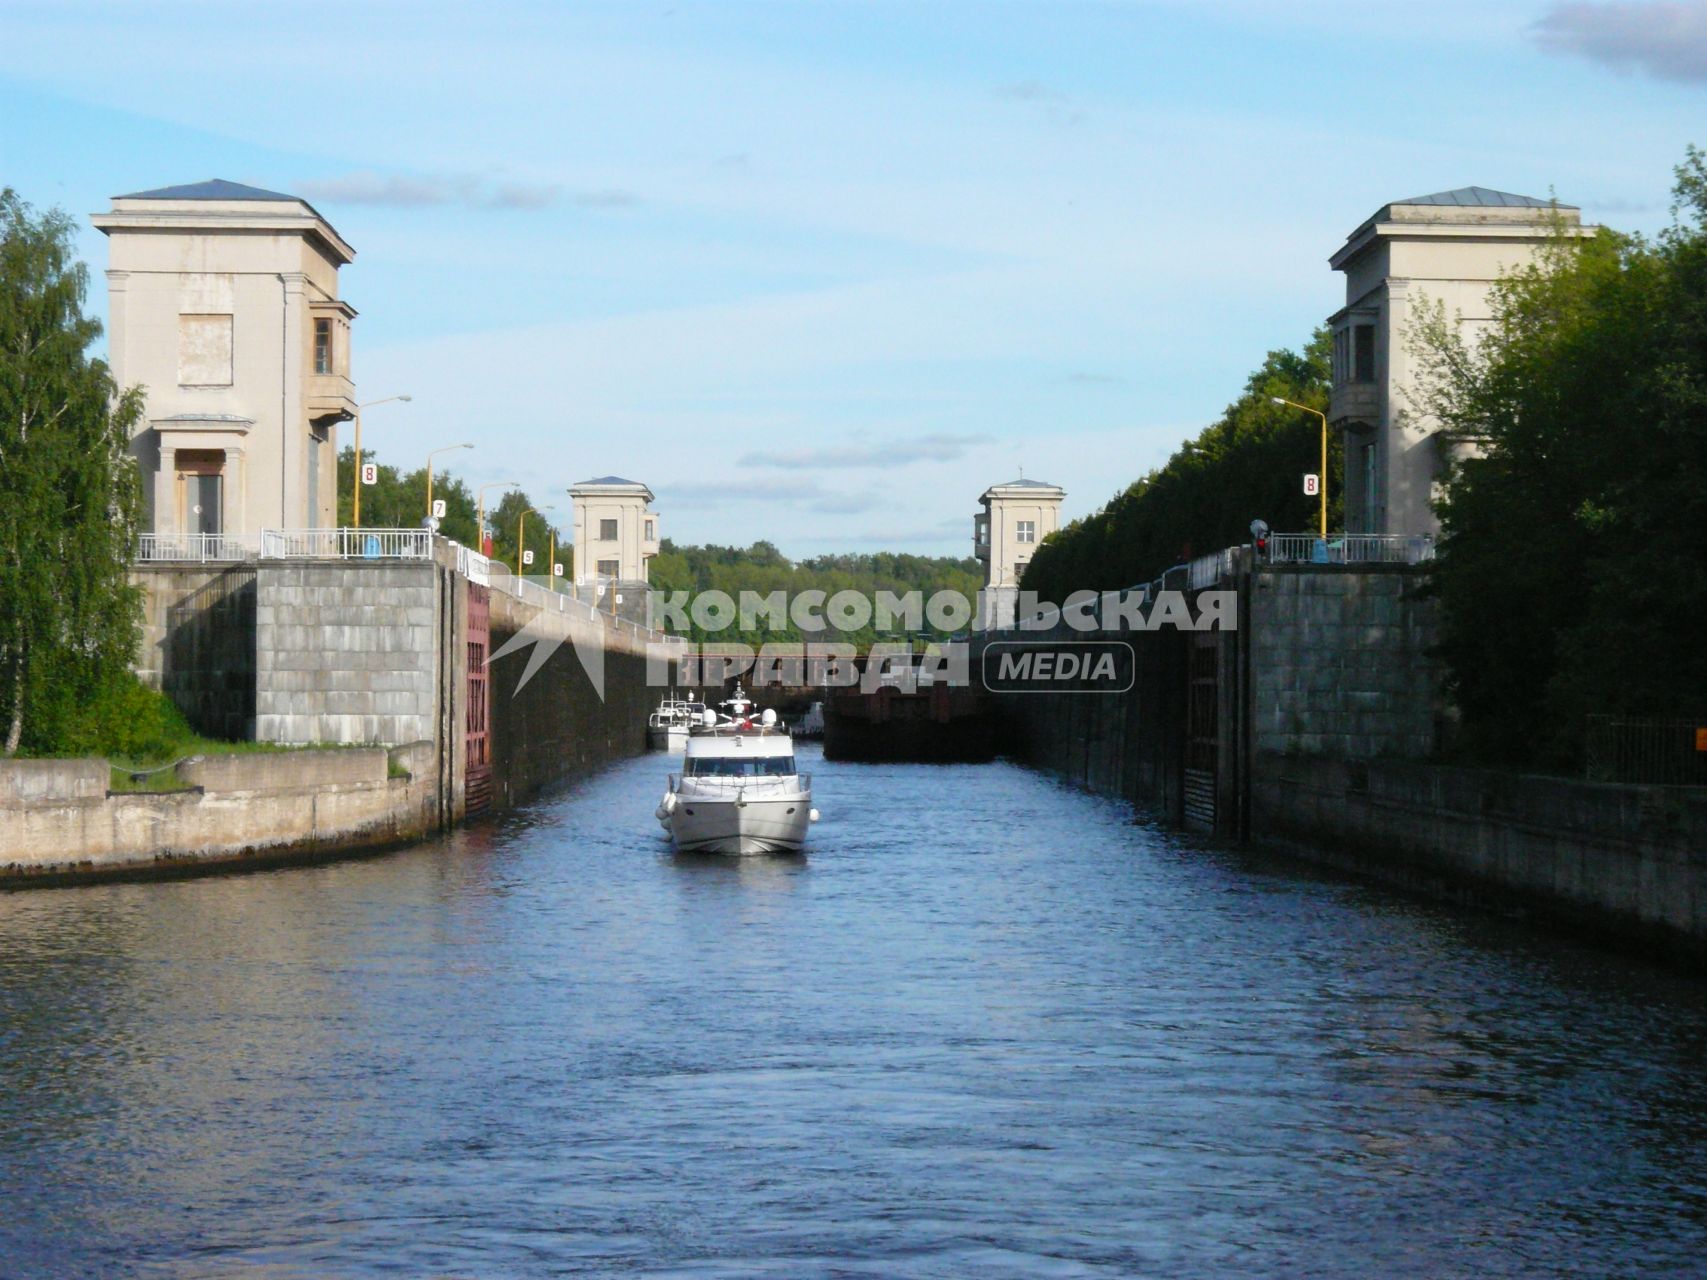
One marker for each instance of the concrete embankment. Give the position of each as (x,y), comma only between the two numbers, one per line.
(1624,863)
(1310,727)
(60,823)
(300,652)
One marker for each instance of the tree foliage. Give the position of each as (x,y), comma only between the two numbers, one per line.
(1573,562)
(763,569)
(70,497)
(399,501)
(1248,464)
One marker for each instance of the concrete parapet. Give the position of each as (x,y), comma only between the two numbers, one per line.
(285,770)
(31,782)
(240,810)
(416,759)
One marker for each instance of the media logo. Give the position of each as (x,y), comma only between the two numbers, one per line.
(1059,666)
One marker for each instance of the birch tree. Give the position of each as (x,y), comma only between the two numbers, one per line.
(69,491)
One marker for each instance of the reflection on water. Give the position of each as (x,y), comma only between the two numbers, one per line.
(989,1027)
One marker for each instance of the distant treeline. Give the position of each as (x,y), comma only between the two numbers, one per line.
(1248,464)
(761,568)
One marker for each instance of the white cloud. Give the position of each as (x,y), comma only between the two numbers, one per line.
(368,187)
(1662,38)
(890,453)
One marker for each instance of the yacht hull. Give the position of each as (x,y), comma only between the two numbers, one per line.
(667,738)
(741,827)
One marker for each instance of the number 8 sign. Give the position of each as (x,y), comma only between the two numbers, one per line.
(1312,485)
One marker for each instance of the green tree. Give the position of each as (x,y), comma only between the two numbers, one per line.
(69,492)
(762,569)
(537,531)
(1247,464)
(1571,571)
(399,500)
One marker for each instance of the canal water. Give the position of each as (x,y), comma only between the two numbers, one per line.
(990,1027)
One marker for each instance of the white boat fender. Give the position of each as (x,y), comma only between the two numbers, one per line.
(668,805)
(812,815)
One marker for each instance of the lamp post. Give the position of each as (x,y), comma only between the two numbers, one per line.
(521,522)
(1324,480)
(449,448)
(356,499)
(480,533)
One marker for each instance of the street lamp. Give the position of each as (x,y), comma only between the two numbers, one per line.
(521,522)
(449,448)
(481,493)
(367,404)
(1323,483)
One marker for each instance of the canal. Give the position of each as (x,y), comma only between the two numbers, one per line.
(990,1027)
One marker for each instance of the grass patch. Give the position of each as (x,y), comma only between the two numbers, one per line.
(122,781)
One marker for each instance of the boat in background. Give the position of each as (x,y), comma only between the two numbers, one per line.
(667,727)
(739,791)
(810,726)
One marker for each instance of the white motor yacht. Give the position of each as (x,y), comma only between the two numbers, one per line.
(667,727)
(738,792)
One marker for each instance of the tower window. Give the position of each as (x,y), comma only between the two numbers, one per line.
(1025,531)
(607,531)
(1363,353)
(322,346)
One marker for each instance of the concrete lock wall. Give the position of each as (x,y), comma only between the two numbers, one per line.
(347,652)
(1328,704)
(198,643)
(308,652)
(1626,863)
(1128,745)
(1340,661)
(556,725)
(59,822)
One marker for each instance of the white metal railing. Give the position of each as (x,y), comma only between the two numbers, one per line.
(473,566)
(1350,548)
(198,547)
(1206,571)
(288,544)
(346,544)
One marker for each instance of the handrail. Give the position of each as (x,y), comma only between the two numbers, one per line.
(1350,548)
(287,544)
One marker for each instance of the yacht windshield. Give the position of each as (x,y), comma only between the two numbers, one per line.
(740,766)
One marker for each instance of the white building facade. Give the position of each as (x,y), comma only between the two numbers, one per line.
(224,307)
(1447,248)
(616,532)
(1017,516)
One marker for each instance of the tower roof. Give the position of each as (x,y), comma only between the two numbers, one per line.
(126,216)
(212,189)
(610,487)
(1483,198)
(1038,488)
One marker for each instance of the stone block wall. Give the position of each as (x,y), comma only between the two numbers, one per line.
(1340,661)
(347,652)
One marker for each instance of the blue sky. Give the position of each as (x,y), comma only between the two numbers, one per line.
(821,272)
